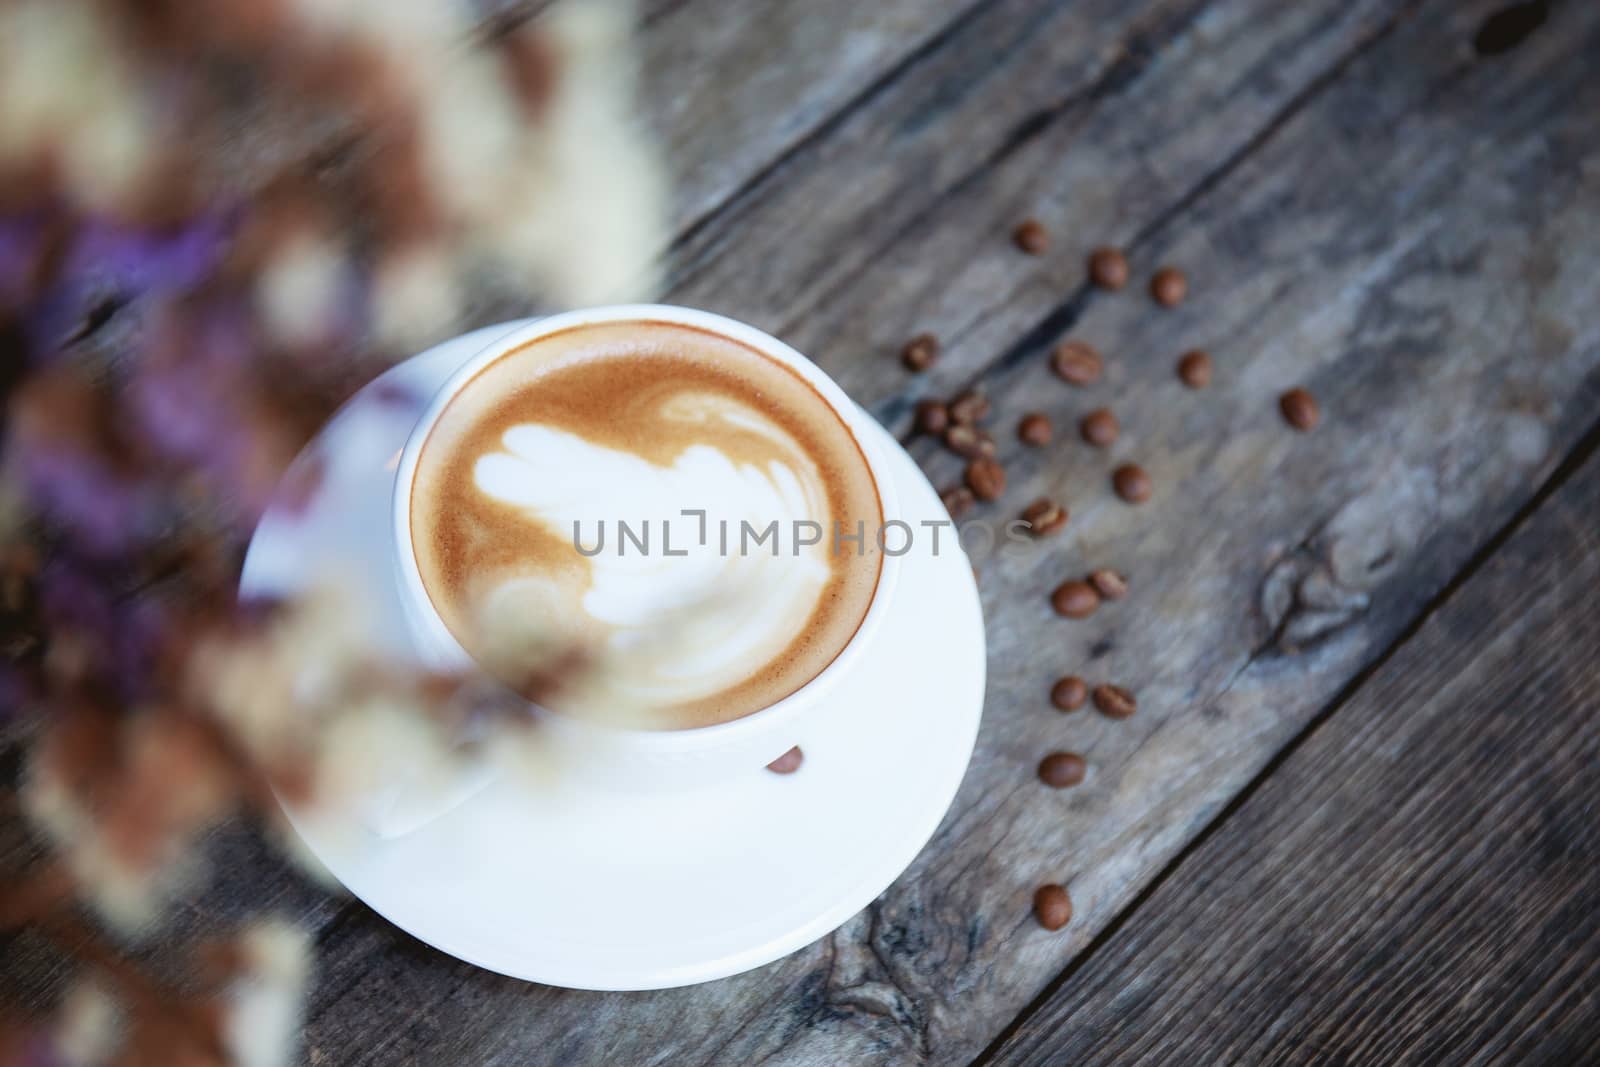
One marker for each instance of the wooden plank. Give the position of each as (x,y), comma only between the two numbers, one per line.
(1413,237)
(1416,883)
(731,86)
(1099,117)
(794,66)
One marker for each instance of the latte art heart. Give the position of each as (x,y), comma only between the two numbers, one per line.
(664,495)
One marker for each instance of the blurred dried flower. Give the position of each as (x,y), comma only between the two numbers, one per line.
(603,243)
(89,1026)
(272,684)
(122,801)
(415,295)
(262,1020)
(303,289)
(179,310)
(67,94)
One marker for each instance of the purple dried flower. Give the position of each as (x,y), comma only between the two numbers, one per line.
(100,511)
(70,597)
(138,260)
(20,241)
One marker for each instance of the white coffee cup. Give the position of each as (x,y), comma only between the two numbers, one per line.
(631,758)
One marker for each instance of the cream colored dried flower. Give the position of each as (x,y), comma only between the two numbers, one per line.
(88,1026)
(378,741)
(302,289)
(262,1025)
(586,217)
(272,689)
(127,893)
(416,296)
(67,92)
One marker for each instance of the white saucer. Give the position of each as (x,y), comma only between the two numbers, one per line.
(576,887)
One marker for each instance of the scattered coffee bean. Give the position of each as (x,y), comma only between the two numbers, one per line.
(986,478)
(1131,483)
(1069,693)
(969,441)
(1300,409)
(1108,268)
(1109,584)
(1194,369)
(1077,362)
(1100,428)
(1169,286)
(962,440)
(957,501)
(1075,599)
(787,763)
(933,417)
(1044,517)
(1031,236)
(920,352)
(1114,701)
(1034,429)
(1062,769)
(1052,906)
(970,407)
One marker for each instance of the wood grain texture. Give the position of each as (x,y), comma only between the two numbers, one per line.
(1364,207)
(1416,882)
(1403,227)
(1098,117)
(730,87)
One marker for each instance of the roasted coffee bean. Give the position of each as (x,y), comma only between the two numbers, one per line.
(1031,236)
(970,407)
(1299,409)
(969,441)
(1108,268)
(933,417)
(1131,483)
(787,763)
(1062,769)
(986,478)
(1035,429)
(1169,286)
(1114,701)
(1109,584)
(957,501)
(1077,362)
(1044,517)
(962,440)
(1069,693)
(1052,906)
(1100,428)
(1194,369)
(1075,599)
(920,352)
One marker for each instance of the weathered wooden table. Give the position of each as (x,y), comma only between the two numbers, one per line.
(1357,815)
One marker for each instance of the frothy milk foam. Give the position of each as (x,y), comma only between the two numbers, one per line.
(528,479)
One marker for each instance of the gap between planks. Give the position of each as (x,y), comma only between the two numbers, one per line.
(819,132)
(1065,315)
(1581,453)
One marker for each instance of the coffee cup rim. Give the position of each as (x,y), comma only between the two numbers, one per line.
(427,625)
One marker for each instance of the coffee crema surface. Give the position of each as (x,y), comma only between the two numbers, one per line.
(677,504)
